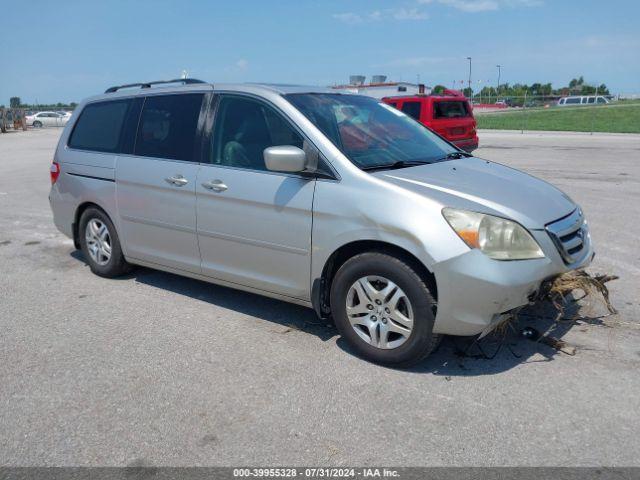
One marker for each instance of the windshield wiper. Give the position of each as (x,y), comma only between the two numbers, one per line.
(455,156)
(394,165)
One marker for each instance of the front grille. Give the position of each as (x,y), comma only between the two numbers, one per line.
(570,236)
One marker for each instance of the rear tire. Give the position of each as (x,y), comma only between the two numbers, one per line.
(392,324)
(100,244)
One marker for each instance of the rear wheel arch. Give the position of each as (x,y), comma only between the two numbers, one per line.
(76,219)
(321,288)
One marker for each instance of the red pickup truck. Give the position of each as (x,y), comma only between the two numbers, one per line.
(450,116)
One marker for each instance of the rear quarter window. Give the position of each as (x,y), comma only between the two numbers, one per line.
(100,126)
(450,109)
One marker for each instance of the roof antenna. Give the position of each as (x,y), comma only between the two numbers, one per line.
(185,74)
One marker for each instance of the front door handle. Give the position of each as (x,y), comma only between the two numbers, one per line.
(177,180)
(215,185)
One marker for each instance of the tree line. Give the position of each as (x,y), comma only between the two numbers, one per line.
(16,102)
(576,86)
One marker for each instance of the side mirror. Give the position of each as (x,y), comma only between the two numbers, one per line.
(285,158)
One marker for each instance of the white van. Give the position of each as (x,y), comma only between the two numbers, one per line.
(582,100)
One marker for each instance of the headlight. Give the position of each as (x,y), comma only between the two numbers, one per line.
(496,237)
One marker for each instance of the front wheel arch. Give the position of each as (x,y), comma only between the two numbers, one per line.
(321,287)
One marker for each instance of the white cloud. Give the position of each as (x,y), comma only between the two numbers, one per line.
(242,64)
(472,6)
(349,18)
(239,66)
(409,14)
(414,13)
(400,14)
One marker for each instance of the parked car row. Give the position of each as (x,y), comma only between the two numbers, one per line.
(48,119)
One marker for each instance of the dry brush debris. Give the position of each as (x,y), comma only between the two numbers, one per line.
(556,292)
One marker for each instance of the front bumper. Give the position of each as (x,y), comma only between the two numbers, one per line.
(475,291)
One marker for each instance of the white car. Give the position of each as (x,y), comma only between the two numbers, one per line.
(47,119)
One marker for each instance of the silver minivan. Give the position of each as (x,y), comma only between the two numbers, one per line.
(330,200)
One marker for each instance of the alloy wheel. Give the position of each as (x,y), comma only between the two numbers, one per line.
(379,312)
(98,241)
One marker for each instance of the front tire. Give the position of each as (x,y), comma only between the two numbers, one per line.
(37,124)
(384,309)
(100,244)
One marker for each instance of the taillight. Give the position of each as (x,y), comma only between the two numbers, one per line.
(54,171)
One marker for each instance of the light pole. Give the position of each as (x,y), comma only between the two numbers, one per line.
(470,91)
(499,67)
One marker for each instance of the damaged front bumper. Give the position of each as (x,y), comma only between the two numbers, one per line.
(476,293)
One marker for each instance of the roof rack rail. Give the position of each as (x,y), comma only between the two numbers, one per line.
(186,81)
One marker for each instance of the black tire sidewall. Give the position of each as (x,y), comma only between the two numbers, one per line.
(115,264)
(422,303)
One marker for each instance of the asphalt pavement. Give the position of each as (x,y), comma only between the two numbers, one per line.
(155,369)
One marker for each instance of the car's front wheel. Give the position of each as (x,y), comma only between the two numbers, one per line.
(100,244)
(384,309)
(37,124)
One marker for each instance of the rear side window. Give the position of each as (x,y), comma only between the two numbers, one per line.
(573,100)
(412,109)
(450,109)
(99,126)
(168,127)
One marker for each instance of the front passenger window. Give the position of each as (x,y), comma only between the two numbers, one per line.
(244,128)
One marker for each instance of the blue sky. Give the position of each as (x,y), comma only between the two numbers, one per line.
(66,50)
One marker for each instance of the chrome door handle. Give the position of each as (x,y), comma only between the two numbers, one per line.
(178,180)
(215,185)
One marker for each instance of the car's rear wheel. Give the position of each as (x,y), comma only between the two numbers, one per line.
(384,309)
(37,124)
(100,244)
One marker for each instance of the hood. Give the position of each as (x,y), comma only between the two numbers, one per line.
(479,185)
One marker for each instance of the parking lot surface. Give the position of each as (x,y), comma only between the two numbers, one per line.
(155,369)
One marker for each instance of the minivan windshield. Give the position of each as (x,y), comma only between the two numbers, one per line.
(371,134)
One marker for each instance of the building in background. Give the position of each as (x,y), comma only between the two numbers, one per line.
(380,88)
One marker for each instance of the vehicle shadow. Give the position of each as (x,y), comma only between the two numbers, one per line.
(503,350)
(286,314)
(456,356)
(500,351)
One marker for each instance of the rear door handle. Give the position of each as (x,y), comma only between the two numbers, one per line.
(215,185)
(177,180)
